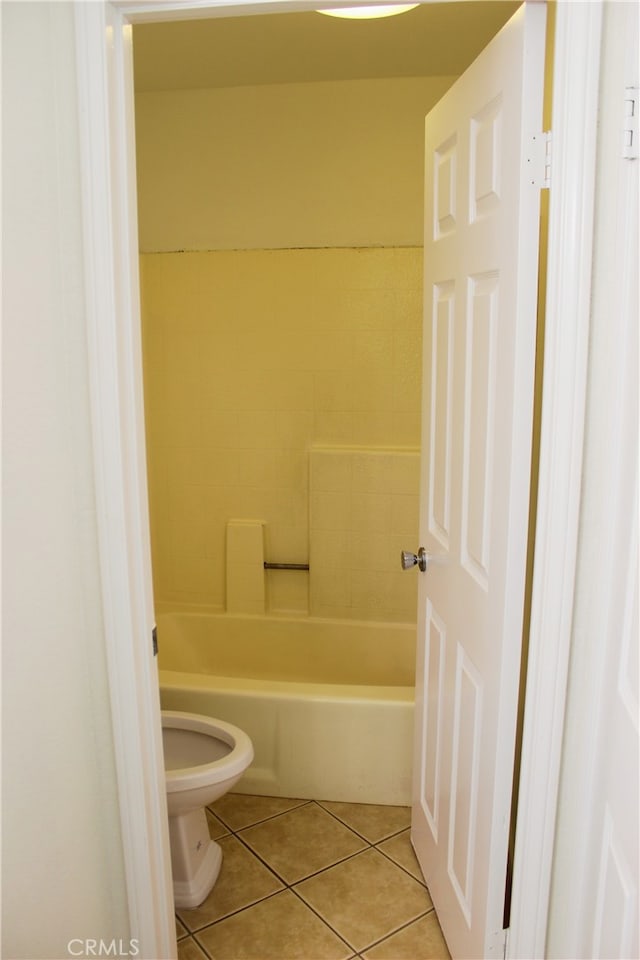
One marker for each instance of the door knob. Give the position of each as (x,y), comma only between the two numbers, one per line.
(408,559)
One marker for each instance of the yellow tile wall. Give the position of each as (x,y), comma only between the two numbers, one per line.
(363,511)
(250,358)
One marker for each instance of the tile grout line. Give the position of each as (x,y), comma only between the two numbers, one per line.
(408,872)
(344,823)
(290,884)
(202,947)
(273,816)
(403,926)
(340,936)
(234,913)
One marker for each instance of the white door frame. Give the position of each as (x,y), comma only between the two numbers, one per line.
(574,126)
(105,89)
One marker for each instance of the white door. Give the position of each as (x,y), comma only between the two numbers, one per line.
(481,266)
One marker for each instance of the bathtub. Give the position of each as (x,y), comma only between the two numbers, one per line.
(328,704)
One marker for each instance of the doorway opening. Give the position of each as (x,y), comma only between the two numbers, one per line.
(105,125)
(259,354)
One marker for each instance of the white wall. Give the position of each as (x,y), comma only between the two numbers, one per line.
(62,866)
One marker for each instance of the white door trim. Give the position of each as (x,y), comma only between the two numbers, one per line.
(105,89)
(115,378)
(575,104)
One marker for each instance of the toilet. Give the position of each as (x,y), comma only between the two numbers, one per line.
(203,758)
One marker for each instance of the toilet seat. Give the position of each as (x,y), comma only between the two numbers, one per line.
(204,760)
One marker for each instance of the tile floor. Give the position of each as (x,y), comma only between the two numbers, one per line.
(312,880)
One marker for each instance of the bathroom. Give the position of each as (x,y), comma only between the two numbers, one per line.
(280,197)
(61,589)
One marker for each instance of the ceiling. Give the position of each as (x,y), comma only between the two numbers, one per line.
(435,39)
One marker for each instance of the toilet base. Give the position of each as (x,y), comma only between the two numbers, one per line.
(195,858)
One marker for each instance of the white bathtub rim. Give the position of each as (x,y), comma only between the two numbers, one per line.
(287,689)
(166,608)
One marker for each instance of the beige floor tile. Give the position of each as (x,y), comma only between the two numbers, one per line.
(280,928)
(421,940)
(181,930)
(302,842)
(365,898)
(243,880)
(371,821)
(399,849)
(217,828)
(241,810)
(190,950)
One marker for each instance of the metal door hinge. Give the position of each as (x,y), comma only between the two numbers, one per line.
(539,159)
(630,133)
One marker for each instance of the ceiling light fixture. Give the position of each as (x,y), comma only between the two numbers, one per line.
(370,13)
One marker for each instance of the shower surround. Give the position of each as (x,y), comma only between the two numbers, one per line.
(283,387)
